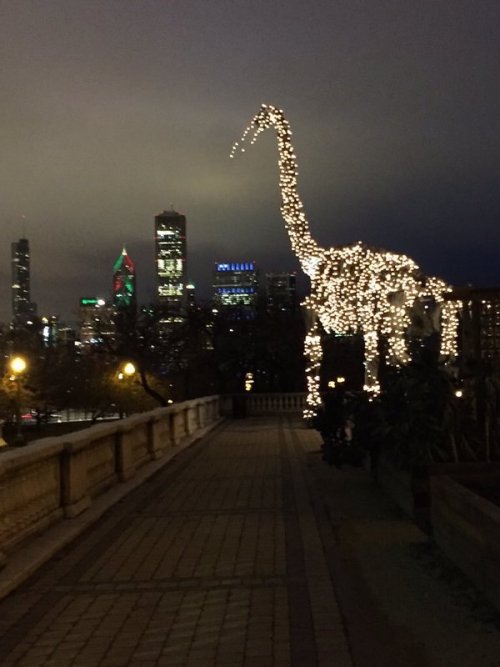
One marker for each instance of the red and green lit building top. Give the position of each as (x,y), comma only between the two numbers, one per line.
(124,285)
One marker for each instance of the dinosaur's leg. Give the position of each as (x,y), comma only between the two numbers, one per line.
(397,353)
(313,353)
(449,329)
(449,316)
(371,361)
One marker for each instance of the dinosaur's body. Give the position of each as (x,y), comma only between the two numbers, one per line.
(354,288)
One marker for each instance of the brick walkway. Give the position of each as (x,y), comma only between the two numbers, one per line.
(217,560)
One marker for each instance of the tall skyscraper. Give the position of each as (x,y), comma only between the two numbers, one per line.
(236,287)
(124,284)
(22,306)
(170,236)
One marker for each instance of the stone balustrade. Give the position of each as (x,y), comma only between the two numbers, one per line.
(55,478)
(254,404)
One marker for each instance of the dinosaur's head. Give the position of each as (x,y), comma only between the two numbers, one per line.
(267,116)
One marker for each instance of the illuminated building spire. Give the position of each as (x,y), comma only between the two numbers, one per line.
(124,282)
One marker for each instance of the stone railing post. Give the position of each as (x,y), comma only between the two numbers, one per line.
(75,496)
(124,460)
(188,419)
(192,417)
(178,425)
(159,436)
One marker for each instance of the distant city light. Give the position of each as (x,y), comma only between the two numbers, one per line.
(249,381)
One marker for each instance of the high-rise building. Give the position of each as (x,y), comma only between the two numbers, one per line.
(96,321)
(281,291)
(190,296)
(50,328)
(236,287)
(124,283)
(479,341)
(66,336)
(170,237)
(22,306)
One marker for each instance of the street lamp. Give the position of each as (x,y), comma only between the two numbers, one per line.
(17,366)
(127,371)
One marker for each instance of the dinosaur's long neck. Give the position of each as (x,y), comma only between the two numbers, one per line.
(303,245)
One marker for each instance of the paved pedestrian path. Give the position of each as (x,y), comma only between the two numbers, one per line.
(247,550)
(217,560)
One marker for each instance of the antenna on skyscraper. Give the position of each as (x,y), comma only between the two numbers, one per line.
(23,218)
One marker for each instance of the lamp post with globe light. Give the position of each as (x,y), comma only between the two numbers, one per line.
(17,366)
(127,371)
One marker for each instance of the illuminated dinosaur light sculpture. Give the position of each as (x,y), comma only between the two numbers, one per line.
(354,288)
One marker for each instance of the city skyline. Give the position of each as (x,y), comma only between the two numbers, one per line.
(123,291)
(394,110)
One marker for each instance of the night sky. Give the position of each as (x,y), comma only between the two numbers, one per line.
(111,111)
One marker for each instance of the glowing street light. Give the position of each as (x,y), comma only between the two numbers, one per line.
(17,367)
(129,369)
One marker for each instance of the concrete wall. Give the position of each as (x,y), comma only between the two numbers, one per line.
(56,478)
(412,491)
(467,528)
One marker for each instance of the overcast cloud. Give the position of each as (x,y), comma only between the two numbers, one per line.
(110,111)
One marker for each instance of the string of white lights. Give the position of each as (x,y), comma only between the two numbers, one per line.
(354,288)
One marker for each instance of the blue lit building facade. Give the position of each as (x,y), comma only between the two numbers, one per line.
(236,287)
